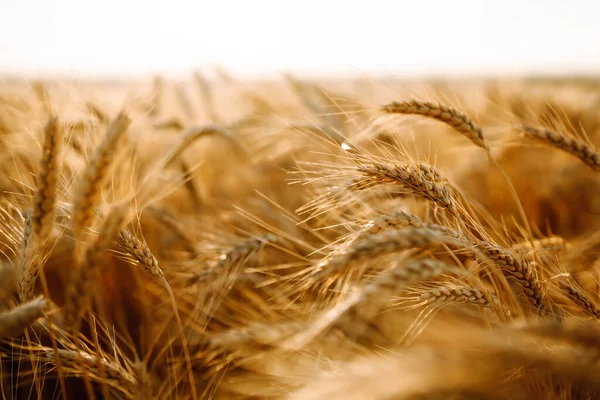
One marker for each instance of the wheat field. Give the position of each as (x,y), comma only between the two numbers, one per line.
(300,239)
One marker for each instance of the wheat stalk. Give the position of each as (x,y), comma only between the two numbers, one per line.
(13,322)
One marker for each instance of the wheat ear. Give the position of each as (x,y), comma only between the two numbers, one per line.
(553,243)
(144,257)
(381,244)
(39,227)
(446,114)
(419,179)
(233,258)
(96,174)
(99,369)
(459,294)
(13,322)
(365,303)
(521,270)
(403,219)
(586,153)
(579,297)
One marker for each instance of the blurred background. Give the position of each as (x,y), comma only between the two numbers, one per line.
(69,38)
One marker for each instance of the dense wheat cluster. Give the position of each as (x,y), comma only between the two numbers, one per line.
(366,239)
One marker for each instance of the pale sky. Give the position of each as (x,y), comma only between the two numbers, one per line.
(109,38)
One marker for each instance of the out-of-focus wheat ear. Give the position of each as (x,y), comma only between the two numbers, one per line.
(81,289)
(403,219)
(77,362)
(170,222)
(97,112)
(363,305)
(235,257)
(573,330)
(586,153)
(206,96)
(13,322)
(170,123)
(41,92)
(196,132)
(549,244)
(158,84)
(381,244)
(144,381)
(96,174)
(47,182)
(418,179)
(183,99)
(405,273)
(578,296)
(446,114)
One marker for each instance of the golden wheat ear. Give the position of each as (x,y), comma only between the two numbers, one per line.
(446,114)
(96,174)
(384,243)
(415,178)
(583,151)
(38,227)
